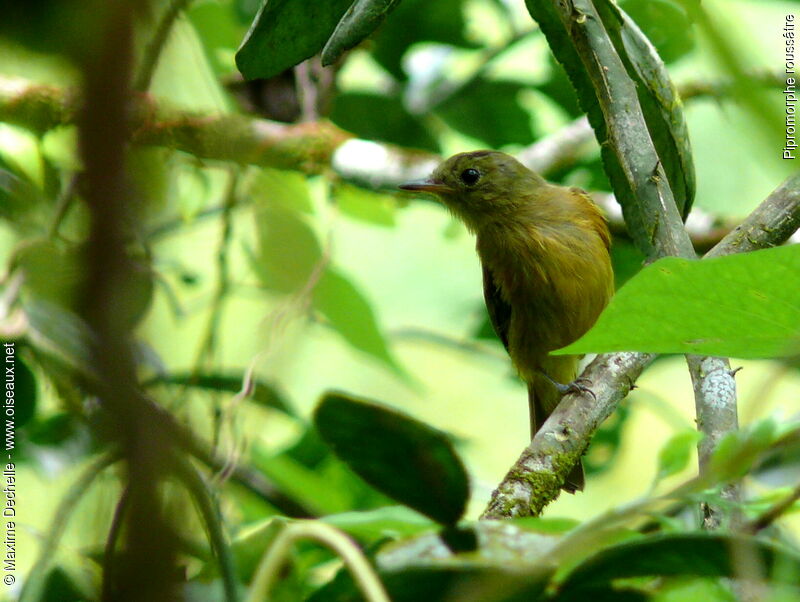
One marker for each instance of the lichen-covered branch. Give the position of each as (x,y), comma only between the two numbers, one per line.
(306,147)
(770,224)
(535,479)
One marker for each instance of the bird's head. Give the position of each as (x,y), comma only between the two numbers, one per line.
(480,185)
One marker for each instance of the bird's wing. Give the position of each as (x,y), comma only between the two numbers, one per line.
(499,309)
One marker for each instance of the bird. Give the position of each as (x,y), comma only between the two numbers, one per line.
(547,274)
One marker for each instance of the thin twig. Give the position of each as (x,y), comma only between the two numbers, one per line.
(773,513)
(273,559)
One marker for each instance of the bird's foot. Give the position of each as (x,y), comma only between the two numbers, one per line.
(576,386)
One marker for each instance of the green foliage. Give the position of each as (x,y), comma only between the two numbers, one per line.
(360,20)
(408,460)
(755,314)
(286,32)
(699,554)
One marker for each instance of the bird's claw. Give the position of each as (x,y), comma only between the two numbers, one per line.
(576,386)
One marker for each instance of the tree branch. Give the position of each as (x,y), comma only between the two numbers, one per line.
(536,477)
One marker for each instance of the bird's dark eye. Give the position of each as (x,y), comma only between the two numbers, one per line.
(470,176)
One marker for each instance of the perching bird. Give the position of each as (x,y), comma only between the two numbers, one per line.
(546,267)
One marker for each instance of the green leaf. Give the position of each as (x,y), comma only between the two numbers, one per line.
(384,118)
(407,460)
(262,393)
(676,453)
(736,306)
(489,111)
(373,525)
(738,450)
(288,250)
(285,33)
(290,259)
(443,583)
(60,332)
(361,19)
(367,206)
(351,315)
(22,406)
(685,554)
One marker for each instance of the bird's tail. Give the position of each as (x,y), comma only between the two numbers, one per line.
(543,398)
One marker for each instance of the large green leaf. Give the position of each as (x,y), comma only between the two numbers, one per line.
(285,33)
(360,20)
(682,554)
(737,306)
(407,460)
(290,259)
(350,314)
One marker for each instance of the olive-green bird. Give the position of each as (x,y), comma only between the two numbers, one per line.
(546,267)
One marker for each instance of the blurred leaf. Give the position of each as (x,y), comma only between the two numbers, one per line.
(407,460)
(263,393)
(419,21)
(60,332)
(54,430)
(753,295)
(251,542)
(51,272)
(60,586)
(691,589)
(219,30)
(285,33)
(701,554)
(489,111)
(374,525)
(366,206)
(25,390)
(360,20)
(19,198)
(665,23)
(676,453)
(738,450)
(555,526)
(289,255)
(351,315)
(310,487)
(287,189)
(376,117)
(442,583)
(288,249)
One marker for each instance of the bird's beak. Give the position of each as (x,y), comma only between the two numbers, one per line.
(427,185)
